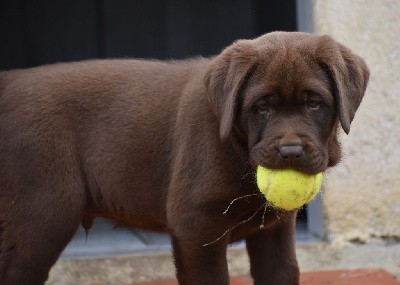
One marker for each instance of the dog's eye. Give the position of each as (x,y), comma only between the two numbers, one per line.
(263,109)
(313,104)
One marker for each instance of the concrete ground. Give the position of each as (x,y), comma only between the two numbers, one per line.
(127,269)
(110,256)
(333,277)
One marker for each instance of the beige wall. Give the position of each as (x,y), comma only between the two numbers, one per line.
(362,195)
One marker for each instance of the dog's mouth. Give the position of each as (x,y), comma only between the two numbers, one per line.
(308,160)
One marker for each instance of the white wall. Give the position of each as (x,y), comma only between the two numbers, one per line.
(362,195)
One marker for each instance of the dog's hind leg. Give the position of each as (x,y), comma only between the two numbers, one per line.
(36,227)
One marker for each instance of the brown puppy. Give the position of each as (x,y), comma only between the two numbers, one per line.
(166,146)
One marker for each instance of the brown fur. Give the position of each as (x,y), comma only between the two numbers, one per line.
(166,146)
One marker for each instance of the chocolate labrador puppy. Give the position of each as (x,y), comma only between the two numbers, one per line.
(167,146)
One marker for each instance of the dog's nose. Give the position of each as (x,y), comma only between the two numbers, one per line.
(291,151)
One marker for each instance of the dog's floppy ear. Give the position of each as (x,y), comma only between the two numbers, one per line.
(224,80)
(349,75)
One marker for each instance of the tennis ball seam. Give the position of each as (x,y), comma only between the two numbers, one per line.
(270,176)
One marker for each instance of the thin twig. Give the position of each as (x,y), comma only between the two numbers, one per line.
(232,228)
(263,216)
(234,200)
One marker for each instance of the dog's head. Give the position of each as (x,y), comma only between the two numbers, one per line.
(283,95)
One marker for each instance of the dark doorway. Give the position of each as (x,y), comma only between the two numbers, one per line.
(46,31)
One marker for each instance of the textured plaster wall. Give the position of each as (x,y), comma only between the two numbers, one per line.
(362,195)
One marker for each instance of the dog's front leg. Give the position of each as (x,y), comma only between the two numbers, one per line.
(200,265)
(272,254)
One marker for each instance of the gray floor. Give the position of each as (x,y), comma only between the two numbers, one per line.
(105,240)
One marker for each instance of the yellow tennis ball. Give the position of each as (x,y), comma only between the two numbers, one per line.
(287,189)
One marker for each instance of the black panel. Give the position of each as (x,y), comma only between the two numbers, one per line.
(13,47)
(135,28)
(46,31)
(205,27)
(275,16)
(35,32)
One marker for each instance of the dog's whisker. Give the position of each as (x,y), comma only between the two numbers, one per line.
(239,198)
(245,168)
(235,226)
(246,175)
